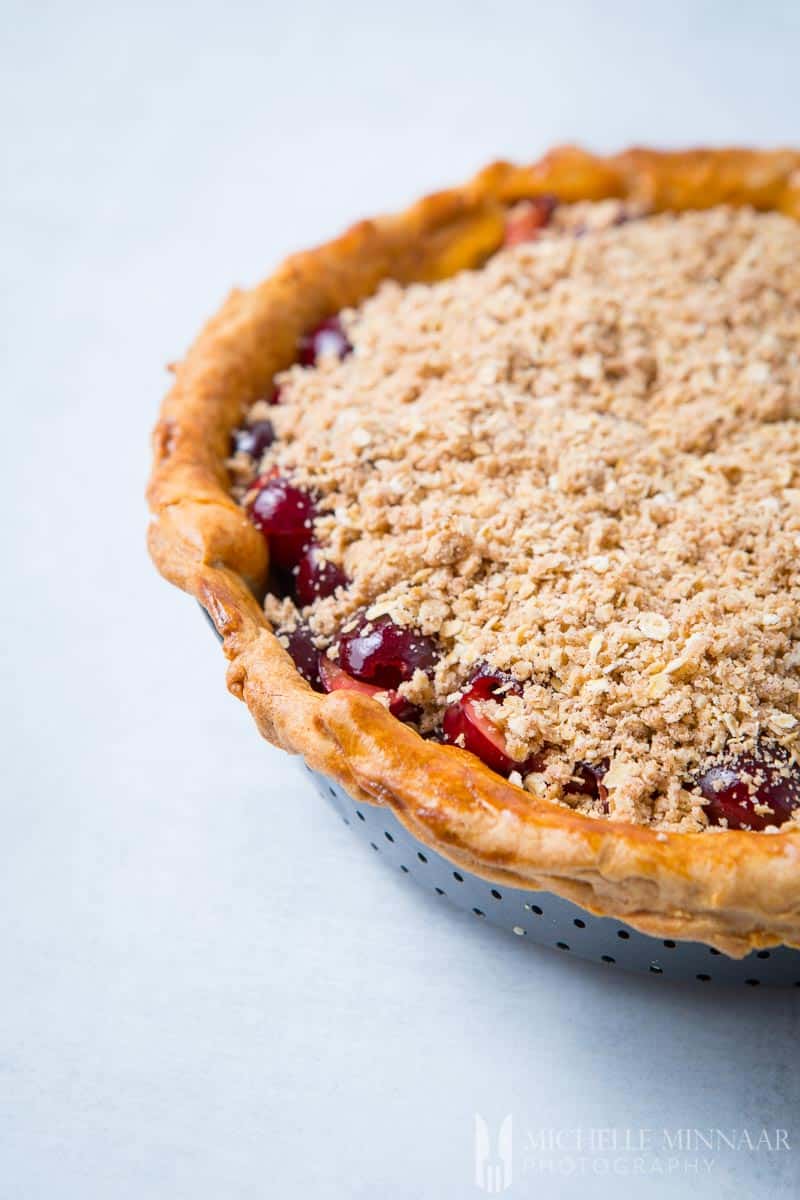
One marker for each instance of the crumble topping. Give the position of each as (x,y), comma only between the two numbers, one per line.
(580,465)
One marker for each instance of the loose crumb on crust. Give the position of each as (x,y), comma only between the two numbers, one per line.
(580,464)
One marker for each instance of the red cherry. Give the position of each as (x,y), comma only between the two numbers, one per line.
(463,721)
(317,577)
(587,780)
(465,724)
(384,654)
(489,683)
(334,679)
(327,338)
(284,514)
(525,222)
(254,439)
(733,786)
(305,654)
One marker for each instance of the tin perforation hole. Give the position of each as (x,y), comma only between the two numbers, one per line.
(623,933)
(360,815)
(497,895)
(655,969)
(458,878)
(703,977)
(421,857)
(440,891)
(753,982)
(562,945)
(403,869)
(478,912)
(578,923)
(713,950)
(763,954)
(670,945)
(606,958)
(374,847)
(387,835)
(534,908)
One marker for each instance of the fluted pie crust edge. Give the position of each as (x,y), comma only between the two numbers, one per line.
(732,889)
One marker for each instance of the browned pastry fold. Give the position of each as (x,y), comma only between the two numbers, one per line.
(735,890)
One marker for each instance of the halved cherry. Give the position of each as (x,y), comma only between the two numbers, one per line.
(305,654)
(284,513)
(253,439)
(733,787)
(385,654)
(466,724)
(377,656)
(527,219)
(317,576)
(334,679)
(328,338)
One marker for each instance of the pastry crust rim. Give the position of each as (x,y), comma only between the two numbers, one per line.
(735,890)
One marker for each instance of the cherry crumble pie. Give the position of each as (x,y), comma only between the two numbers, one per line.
(517,476)
(549,510)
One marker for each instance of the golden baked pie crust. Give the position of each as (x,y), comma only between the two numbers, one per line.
(733,889)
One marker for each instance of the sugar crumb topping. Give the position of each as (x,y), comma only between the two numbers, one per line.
(580,464)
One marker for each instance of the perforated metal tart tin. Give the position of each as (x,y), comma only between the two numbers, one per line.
(546,919)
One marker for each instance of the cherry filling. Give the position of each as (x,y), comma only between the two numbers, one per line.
(316,576)
(377,656)
(327,338)
(304,653)
(734,786)
(587,780)
(334,679)
(284,514)
(466,725)
(527,220)
(385,654)
(253,439)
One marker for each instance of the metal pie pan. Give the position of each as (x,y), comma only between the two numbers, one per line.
(548,920)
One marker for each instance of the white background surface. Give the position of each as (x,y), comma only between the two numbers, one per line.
(209,989)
